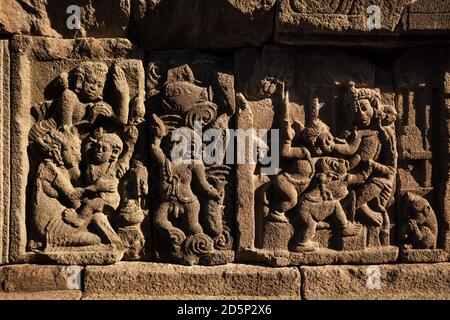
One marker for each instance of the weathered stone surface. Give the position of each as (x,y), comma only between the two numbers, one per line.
(42,295)
(198,23)
(427,15)
(149,280)
(35,278)
(297,17)
(415,281)
(4,150)
(351,22)
(97,88)
(100,19)
(423,255)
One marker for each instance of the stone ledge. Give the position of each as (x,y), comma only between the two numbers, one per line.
(152,281)
(38,278)
(164,281)
(42,295)
(402,281)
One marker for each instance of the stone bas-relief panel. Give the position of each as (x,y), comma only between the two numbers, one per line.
(190,94)
(340,195)
(361,22)
(79,181)
(297,16)
(423,158)
(4,149)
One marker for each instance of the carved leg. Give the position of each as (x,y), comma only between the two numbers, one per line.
(101,221)
(307,232)
(162,216)
(348,228)
(288,194)
(370,217)
(384,231)
(192,211)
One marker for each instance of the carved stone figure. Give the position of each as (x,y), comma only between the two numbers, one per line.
(320,203)
(376,156)
(54,183)
(420,225)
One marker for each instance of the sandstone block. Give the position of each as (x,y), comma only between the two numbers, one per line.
(150,280)
(415,281)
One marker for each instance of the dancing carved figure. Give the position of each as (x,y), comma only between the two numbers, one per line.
(178,199)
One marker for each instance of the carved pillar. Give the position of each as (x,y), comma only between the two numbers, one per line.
(4,151)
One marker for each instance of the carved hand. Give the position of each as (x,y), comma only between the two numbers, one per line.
(100,109)
(158,126)
(132,134)
(75,197)
(104,185)
(122,168)
(120,82)
(214,194)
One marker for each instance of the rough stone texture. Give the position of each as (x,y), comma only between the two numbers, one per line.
(43,295)
(34,278)
(4,149)
(412,255)
(198,23)
(48,18)
(427,16)
(345,22)
(149,280)
(396,282)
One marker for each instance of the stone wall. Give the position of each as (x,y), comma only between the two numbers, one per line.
(262,149)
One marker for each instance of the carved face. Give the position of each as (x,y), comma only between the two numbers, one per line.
(93,86)
(105,152)
(71,155)
(364,112)
(325,142)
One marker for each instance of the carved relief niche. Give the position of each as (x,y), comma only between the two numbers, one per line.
(79,181)
(334,198)
(191,95)
(422,130)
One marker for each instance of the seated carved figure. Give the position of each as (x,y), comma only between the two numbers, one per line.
(54,192)
(178,200)
(420,226)
(322,200)
(81,100)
